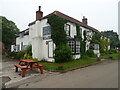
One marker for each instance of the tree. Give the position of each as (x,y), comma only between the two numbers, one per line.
(9,31)
(114,40)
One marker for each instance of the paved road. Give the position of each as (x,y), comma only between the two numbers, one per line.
(104,75)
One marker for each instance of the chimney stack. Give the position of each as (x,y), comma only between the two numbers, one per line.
(84,20)
(39,13)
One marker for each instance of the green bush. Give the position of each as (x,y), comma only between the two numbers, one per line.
(24,54)
(27,56)
(28,50)
(11,54)
(35,59)
(90,53)
(20,54)
(112,50)
(63,54)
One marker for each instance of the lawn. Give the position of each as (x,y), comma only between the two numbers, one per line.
(67,65)
(114,56)
(76,63)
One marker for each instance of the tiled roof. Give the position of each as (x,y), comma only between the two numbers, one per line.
(26,32)
(64,16)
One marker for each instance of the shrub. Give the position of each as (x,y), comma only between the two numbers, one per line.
(11,54)
(112,50)
(20,54)
(27,56)
(90,53)
(63,54)
(28,50)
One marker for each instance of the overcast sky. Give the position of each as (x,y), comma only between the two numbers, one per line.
(101,14)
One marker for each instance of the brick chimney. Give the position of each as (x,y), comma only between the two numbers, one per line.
(84,20)
(39,13)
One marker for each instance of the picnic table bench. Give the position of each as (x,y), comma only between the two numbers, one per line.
(27,64)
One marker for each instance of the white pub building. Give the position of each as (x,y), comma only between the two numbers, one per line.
(39,36)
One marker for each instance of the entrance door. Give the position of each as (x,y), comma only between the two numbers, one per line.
(50,49)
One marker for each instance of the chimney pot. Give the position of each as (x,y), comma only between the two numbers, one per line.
(84,20)
(83,17)
(39,13)
(39,8)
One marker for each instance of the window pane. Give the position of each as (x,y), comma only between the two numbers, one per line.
(72,46)
(77,47)
(67,29)
(46,32)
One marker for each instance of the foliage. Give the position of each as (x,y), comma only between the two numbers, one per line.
(27,56)
(96,37)
(79,36)
(82,41)
(67,65)
(11,54)
(83,44)
(58,33)
(114,40)
(9,31)
(104,43)
(24,54)
(62,54)
(112,50)
(114,56)
(90,53)
(20,54)
(29,50)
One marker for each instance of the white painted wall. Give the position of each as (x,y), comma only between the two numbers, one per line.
(76,56)
(97,52)
(72,29)
(24,39)
(39,46)
(87,45)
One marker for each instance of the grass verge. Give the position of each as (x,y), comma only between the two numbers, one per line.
(68,65)
(111,56)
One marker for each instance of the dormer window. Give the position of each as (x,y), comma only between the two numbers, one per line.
(67,29)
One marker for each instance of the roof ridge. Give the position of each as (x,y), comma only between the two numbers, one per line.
(69,18)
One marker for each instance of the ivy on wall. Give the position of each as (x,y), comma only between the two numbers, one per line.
(62,52)
(58,33)
(82,41)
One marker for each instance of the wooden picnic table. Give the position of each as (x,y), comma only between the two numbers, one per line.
(27,64)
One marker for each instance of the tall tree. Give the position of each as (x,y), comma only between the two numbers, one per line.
(9,31)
